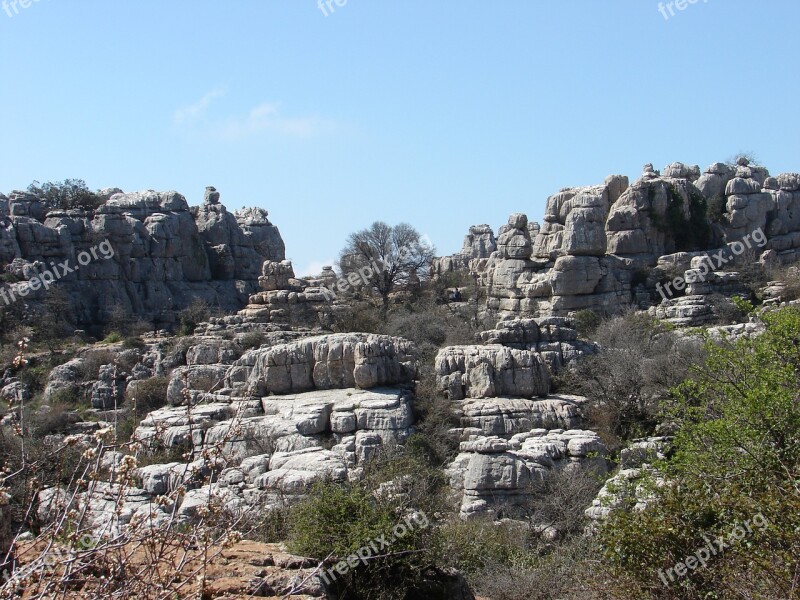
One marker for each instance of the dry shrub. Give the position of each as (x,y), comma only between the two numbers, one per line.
(568,571)
(93,360)
(626,382)
(148,395)
(157,560)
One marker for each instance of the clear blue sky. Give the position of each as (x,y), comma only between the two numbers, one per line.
(441,113)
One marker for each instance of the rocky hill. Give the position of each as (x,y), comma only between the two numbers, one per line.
(513,423)
(159,254)
(613,246)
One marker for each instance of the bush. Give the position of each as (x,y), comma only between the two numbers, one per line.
(66,195)
(253,339)
(362,317)
(92,361)
(190,317)
(113,338)
(627,381)
(737,457)
(148,395)
(338,519)
(727,311)
(587,322)
(568,571)
(57,417)
(474,545)
(133,343)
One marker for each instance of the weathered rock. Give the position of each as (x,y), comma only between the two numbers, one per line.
(493,472)
(489,371)
(332,361)
(156,254)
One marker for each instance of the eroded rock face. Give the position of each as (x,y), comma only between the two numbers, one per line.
(598,245)
(489,371)
(574,221)
(165,254)
(493,471)
(553,338)
(331,361)
(274,446)
(479,244)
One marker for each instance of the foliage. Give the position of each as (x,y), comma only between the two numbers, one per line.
(113,338)
(627,381)
(586,322)
(150,394)
(737,457)
(191,316)
(66,195)
(692,233)
(390,258)
(253,339)
(339,519)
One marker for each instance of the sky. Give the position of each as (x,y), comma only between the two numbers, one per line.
(439,113)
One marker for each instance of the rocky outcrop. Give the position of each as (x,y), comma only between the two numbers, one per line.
(157,255)
(512,433)
(492,472)
(327,362)
(600,248)
(479,244)
(489,371)
(553,338)
(273,447)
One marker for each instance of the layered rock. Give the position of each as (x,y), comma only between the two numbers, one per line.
(554,339)
(512,433)
(479,244)
(162,254)
(598,245)
(493,472)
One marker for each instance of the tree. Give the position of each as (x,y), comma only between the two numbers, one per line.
(66,195)
(387,258)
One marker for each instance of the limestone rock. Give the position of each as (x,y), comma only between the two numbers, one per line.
(489,371)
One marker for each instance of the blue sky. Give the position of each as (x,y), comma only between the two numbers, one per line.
(440,113)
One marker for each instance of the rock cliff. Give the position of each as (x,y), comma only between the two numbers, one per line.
(160,254)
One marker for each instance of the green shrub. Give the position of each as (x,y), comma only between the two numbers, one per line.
(587,322)
(253,339)
(113,338)
(68,194)
(190,317)
(338,519)
(133,343)
(737,457)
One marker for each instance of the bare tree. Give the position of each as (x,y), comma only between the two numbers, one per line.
(387,258)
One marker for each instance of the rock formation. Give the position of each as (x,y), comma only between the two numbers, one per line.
(165,254)
(605,248)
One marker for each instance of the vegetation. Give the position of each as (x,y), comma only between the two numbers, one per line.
(387,258)
(385,517)
(190,317)
(737,461)
(628,380)
(66,195)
